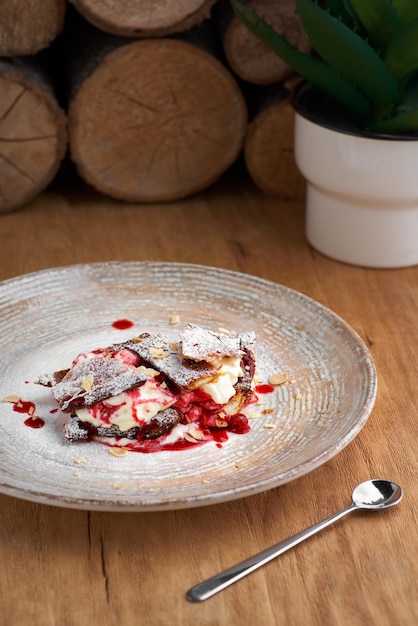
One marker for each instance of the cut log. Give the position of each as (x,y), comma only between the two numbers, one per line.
(247,56)
(268,150)
(146,18)
(156,120)
(27,27)
(33,137)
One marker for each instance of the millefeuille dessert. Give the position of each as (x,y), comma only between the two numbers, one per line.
(152,393)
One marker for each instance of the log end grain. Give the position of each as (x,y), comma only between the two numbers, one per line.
(147,18)
(28,27)
(269,155)
(33,139)
(250,58)
(157,120)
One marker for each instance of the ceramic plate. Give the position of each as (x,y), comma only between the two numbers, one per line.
(46,318)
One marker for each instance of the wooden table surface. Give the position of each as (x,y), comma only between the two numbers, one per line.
(73,567)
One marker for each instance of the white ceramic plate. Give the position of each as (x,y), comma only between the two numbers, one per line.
(46,318)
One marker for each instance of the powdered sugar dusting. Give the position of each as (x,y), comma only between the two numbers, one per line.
(108,377)
(163,355)
(203,345)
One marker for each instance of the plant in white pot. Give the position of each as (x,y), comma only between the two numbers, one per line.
(356,127)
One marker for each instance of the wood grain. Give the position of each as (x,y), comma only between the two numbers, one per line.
(268,151)
(250,58)
(75,567)
(146,18)
(33,134)
(27,27)
(157,120)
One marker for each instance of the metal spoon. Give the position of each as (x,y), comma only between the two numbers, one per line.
(371,495)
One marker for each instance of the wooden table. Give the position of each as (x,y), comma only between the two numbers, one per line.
(73,567)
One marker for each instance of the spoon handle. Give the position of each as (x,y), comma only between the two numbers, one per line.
(209,587)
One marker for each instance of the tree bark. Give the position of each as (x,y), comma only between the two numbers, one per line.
(33,137)
(246,55)
(155,120)
(268,149)
(27,27)
(145,18)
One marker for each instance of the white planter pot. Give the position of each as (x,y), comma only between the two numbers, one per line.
(362,193)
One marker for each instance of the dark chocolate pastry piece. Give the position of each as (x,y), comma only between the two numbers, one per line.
(164,356)
(93,380)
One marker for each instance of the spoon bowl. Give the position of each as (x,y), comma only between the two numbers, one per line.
(371,495)
(376,494)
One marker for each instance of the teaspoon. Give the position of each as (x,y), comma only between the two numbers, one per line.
(371,495)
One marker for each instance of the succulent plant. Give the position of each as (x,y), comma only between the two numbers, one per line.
(366,56)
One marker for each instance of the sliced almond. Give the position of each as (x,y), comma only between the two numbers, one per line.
(11,399)
(174,319)
(118,451)
(278,379)
(193,435)
(158,353)
(87,382)
(148,371)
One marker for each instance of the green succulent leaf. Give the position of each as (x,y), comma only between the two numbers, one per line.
(379,19)
(350,55)
(403,122)
(314,70)
(401,54)
(338,8)
(406,9)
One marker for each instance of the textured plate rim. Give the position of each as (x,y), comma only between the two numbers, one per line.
(135,505)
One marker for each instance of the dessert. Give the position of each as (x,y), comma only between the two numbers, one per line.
(152,393)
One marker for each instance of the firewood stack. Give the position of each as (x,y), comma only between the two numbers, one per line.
(151,101)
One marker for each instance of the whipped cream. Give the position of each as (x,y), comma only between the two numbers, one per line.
(129,409)
(222,389)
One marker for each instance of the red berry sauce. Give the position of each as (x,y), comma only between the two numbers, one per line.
(122,324)
(28,408)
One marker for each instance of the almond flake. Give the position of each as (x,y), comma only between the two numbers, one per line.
(80,460)
(77,473)
(11,399)
(193,435)
(220,423)
(278,379)
(148,371)
(270,426)
(174,319)
(118,451)
(158,353)
(224,331)
(87,382)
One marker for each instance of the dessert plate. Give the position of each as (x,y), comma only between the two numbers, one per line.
(47,317)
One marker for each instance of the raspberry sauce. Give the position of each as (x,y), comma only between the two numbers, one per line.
(264,388)
(28,408)
(122,324)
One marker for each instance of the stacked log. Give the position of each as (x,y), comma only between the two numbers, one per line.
(246,55)
(156,119)
(147,18)
(268,148)
(33,137)
(28,27)
(156,96)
